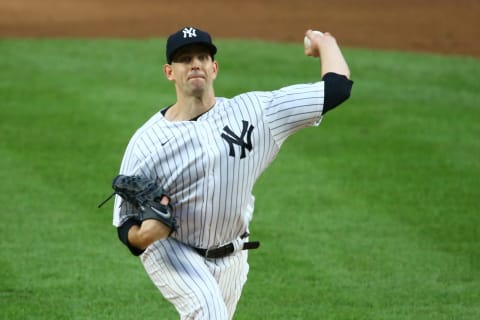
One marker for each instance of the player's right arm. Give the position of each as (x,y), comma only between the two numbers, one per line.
(333,68)
(326,48)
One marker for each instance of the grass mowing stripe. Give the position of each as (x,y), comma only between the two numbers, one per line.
(384,192)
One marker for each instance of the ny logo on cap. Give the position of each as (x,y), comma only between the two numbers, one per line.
(190,32)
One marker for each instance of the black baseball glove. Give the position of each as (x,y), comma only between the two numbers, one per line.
(143,194)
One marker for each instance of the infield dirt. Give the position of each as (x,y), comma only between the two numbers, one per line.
(440,26)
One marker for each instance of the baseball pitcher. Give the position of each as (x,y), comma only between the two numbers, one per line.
(183,196)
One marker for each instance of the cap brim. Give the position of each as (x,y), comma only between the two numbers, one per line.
(211,48)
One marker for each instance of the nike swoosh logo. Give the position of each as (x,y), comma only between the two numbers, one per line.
(165,142)
(163,214)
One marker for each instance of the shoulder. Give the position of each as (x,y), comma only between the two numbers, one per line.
(249,99)
(156,120)
(314,88)
(143,142)
(260,101)
(151,129)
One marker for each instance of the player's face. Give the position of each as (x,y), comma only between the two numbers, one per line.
(192,70)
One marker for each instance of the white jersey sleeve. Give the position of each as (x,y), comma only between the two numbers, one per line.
(293,108)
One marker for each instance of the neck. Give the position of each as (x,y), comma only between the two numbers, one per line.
(191,108)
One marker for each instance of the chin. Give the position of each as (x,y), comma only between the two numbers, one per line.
(198,88)
(196,91)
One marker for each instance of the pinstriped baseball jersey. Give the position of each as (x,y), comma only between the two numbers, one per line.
(209,166)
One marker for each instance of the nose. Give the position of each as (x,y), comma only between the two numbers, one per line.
(196,63)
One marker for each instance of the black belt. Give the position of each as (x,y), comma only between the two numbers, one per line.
(225,250)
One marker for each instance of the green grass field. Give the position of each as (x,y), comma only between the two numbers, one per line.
(372,215)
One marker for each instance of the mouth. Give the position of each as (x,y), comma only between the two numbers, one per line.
(196,76)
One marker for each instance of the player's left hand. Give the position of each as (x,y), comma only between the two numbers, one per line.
(147,197)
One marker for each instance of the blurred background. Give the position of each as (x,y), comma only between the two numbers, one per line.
(442,26)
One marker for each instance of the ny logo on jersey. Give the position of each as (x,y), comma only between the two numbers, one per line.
(232,139)
(189,32)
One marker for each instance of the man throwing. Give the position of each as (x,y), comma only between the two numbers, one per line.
(206,152)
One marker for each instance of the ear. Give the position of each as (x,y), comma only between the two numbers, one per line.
(215,67)
(168,71)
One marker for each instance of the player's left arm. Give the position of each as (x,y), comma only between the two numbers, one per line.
(138,235)
(149,231)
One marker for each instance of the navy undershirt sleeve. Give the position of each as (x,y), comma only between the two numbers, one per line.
(122,232)
(337,90)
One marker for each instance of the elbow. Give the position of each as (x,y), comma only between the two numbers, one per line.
(337,90)
(344,93)
(124,232)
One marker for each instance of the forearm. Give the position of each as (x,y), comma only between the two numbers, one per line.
(332,59)
(137,236)
(325,47)
(148,232)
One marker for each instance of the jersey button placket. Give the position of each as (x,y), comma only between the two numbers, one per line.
(209,157)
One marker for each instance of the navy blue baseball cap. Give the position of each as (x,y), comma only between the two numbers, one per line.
(188,36)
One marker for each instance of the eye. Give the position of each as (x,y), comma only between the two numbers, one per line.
(183,59)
